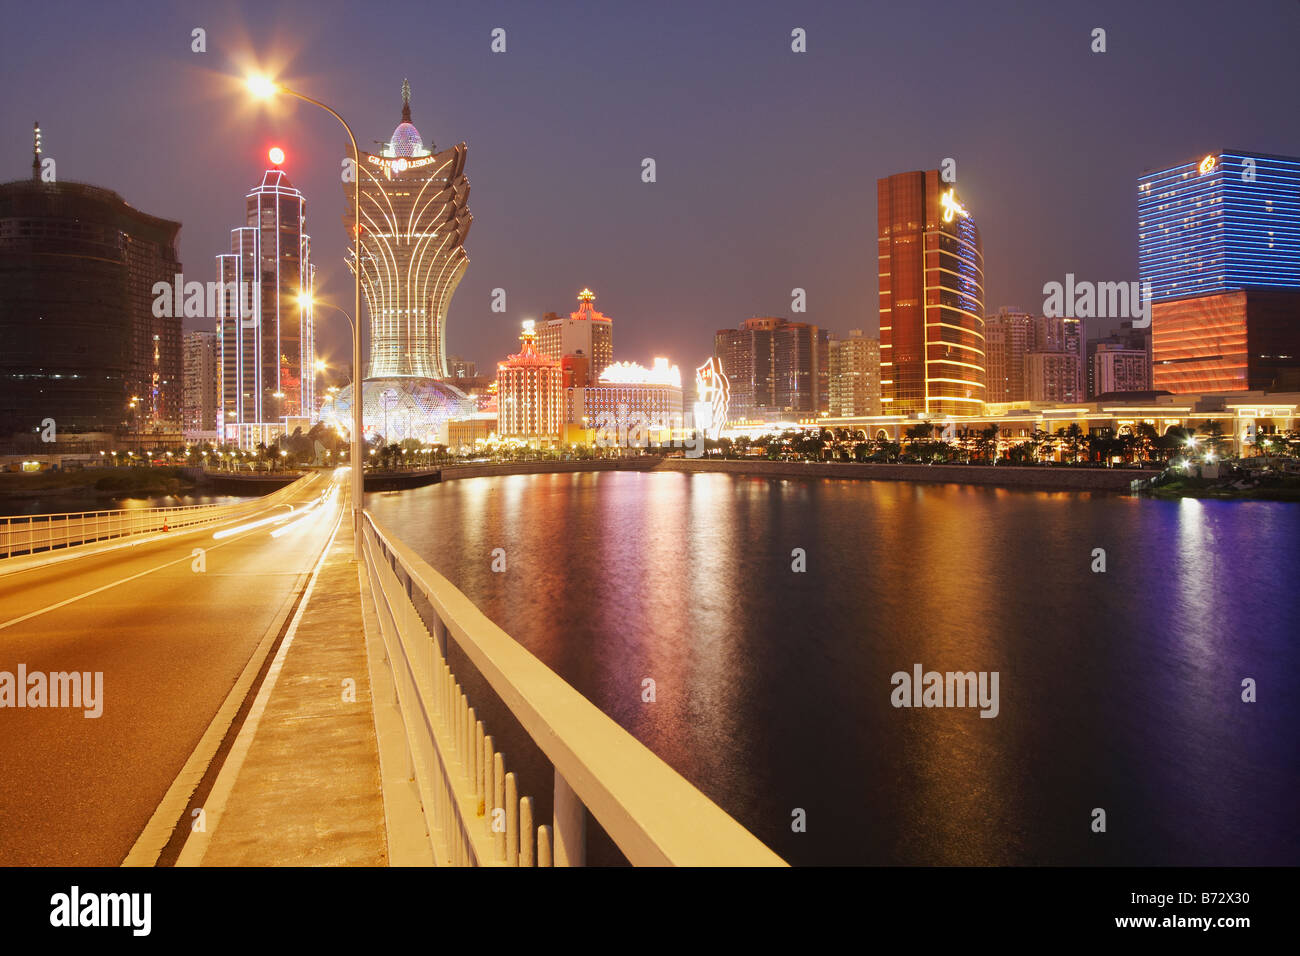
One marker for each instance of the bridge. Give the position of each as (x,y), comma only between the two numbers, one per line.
(265,697)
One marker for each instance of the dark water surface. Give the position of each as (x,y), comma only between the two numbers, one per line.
(1118,690)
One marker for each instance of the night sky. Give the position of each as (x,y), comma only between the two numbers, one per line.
(766,159)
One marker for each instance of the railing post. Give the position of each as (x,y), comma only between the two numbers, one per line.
(570,825)
(499,806)
(512,821)
(526,857)
(544,846)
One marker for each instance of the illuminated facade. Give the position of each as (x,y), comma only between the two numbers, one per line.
(414,220)
(932,349)
(586,331)
(1226,221)
(713,398)
(626,392)
(264,323)
(530,393)
(202,386)
(1219,241)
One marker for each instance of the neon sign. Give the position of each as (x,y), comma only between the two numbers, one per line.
(398,164)
(950,206)
(713,389)
(1207,164)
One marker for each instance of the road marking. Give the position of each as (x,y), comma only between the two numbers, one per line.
(169,814)
(105,587)
(196,844)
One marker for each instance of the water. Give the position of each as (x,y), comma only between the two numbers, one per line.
(1118,690)
(65,503)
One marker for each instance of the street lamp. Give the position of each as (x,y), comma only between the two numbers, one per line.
(264,88)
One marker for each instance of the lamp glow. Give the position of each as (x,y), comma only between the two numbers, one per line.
(262,87)
(276,155)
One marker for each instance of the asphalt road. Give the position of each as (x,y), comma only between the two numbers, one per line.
(170,641)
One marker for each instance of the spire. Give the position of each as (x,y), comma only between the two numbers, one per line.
(406,101)
(36,151)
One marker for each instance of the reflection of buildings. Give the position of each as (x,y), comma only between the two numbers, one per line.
(854,375)
(627,395)
(585,331)
(79,339)
(414,219)
(777,368)
(530,393)
(1219,242)
(265,331)
(931,298)
(202,404)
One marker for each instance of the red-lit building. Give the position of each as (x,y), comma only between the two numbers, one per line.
(1243,340)
(530,394)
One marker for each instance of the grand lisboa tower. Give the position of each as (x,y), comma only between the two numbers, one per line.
(414,219)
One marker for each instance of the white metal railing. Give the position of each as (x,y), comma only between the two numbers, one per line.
(472,810)
(30,534)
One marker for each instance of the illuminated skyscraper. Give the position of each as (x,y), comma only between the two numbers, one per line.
(264,328)
(931,298)
(1219,243)
(414,220)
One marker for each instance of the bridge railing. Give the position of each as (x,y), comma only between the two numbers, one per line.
(473,812)
(32,534)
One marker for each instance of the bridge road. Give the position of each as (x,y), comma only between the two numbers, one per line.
(171,643)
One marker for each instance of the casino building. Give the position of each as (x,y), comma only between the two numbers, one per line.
(1219,243)
(265,340)
(932,351)
(414,218)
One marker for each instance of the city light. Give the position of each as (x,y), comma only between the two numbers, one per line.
(262,87)
(276,155)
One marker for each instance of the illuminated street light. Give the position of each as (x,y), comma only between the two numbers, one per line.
(263,87)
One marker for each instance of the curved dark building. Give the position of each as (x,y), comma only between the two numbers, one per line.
(79,342)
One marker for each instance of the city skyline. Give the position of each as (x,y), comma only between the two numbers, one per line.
(1004,166)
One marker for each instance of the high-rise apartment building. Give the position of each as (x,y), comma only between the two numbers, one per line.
(586,330)
(932,350)
(854,387)
(1009,337)
(267,349)
(777,368)
(80,340)
(1219,243)
(202,386)
(1115,368)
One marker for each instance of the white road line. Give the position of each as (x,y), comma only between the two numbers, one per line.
(169,813)
(196,845)
(105,587)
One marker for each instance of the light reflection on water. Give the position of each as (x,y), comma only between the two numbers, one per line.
(1119,690)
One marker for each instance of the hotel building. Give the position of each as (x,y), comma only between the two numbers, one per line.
(585,331)
(1219,243)
(530,394)
(264,325)
(627,397)
(932,348)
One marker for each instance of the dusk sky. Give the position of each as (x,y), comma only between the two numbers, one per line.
(766,159)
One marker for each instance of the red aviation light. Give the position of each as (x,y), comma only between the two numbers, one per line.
(276,155)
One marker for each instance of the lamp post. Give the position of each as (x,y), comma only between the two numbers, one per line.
(264,88)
